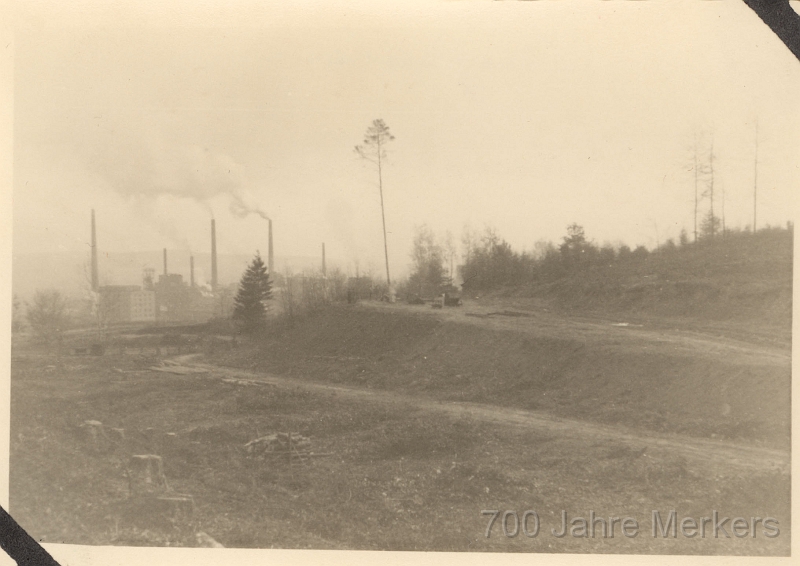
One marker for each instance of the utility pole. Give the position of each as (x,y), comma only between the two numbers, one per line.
(711,187)
(695,187)
(755,180)
(95,275)
(723,210)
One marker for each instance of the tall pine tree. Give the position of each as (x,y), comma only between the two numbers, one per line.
(255,288)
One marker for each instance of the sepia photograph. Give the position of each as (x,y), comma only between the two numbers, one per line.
(434,276)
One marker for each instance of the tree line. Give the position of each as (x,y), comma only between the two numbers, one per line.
(489,262)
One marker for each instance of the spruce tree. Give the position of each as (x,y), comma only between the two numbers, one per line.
(255,288)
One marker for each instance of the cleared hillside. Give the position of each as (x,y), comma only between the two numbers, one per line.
(742,278)
(694,384)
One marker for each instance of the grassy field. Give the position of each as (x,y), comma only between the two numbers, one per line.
(395,476)
(688,383)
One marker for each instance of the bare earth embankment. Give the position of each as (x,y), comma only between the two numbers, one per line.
(422,420)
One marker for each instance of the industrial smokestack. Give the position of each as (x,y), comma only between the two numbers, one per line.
(324,270)
(191,271)
(213,255)
(95,275)
(165,262)
(270,257)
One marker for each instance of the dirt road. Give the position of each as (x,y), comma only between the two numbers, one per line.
(719,456)
(634,335)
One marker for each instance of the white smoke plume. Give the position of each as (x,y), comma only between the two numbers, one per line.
(241,210)
(138,162)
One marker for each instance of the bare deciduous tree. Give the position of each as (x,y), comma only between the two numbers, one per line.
(711,222)
(696,194)
(470,239)
(47,315)
(17,323)
(450,251)
(428,256)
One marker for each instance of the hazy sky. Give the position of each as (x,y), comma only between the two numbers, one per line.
(525,116)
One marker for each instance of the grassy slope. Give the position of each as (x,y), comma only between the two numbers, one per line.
(741,278)
(398,479)
(598,380)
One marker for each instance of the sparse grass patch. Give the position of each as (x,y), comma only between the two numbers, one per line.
(422,438)
(594,378)
(393,477)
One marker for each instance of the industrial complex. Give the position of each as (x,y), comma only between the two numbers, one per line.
(166,299)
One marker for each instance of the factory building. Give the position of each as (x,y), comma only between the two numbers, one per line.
(169,299)
(173,299)
(126,303)
(143,306)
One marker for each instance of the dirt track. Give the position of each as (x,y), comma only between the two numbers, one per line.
(717,455)
(706,342)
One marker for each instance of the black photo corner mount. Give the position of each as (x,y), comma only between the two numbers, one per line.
(781,19)
(20,546)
